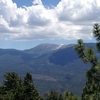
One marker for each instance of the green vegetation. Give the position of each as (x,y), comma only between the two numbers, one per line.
(91,90)
(57,96)
(14,88)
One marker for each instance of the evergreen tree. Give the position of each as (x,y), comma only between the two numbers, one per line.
(30,93)
(52,95)
(69,96)
(16,89)
(91,90)
(60,97)
(11,81)
(57,96)
(96,32)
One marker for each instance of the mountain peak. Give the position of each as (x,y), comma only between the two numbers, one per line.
(44,48)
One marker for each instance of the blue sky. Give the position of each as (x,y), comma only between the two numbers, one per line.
(21,45)
(27,23)
(47,3)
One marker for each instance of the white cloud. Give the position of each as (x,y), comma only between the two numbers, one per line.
(78,10)
(70,19)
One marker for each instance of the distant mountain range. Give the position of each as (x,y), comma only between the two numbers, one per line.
(54,67)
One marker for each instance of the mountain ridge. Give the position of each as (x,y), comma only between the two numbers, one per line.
(59,69)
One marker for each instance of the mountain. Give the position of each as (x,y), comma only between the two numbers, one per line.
(54,67)
(42,49)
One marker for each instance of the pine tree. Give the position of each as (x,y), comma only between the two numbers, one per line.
(96,32)
(52,95)
(30,93)
(69,96)
(57,96)
(16,89)
(91,90)
(60,97)
(11,81)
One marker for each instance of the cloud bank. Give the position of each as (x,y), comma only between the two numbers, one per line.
(70,19)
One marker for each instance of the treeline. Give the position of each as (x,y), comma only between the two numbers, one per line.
(14,88)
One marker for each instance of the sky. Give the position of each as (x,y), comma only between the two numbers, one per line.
(27,23)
